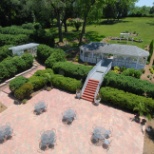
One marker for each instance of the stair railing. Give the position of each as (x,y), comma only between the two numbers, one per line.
(102,78)
(91,72)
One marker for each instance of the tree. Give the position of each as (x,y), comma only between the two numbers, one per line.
(84,8)
(152,9)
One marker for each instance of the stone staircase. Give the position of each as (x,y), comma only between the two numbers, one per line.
(90,89)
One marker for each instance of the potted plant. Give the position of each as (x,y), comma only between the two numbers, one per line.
(78,93)
(97,99)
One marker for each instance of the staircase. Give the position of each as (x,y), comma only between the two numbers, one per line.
(90,89)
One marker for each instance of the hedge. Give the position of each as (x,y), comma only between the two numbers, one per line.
(43,52)
(129,84)
(57,56)
(9,39)
(65,83)
(15,30)
(69,69)
(125,100)
(5,52)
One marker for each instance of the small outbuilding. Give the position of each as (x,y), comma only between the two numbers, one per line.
(128,56)
(26,48)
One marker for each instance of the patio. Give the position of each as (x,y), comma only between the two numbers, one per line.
(74,138)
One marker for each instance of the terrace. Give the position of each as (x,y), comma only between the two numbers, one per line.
(75,138)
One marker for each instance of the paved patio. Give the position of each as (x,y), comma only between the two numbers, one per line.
(127,137)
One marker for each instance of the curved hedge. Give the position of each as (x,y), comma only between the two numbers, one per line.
(125,100)
(130,84)
(13,65)
(5,52)
(71,70)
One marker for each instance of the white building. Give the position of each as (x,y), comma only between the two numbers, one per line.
(122,55)
(26,48)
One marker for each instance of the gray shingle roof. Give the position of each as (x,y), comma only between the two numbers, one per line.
(117,49)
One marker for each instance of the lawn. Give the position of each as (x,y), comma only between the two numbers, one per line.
(144,26)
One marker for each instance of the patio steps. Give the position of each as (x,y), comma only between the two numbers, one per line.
(90,90)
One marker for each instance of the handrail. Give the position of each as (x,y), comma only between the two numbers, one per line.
(90,74)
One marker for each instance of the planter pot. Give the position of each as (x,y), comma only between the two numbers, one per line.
(78,95)
(97,101)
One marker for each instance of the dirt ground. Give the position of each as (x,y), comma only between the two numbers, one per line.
(2,107)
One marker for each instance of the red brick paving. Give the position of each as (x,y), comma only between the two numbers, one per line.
(74,139)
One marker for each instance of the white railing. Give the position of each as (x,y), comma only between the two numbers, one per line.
(101,80)
(93,70)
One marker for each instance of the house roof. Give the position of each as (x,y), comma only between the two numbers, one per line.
(23,47)
(117,49)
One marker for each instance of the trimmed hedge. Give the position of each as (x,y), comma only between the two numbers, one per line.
(65,83)
(69,69)
(17,83)
(57,56)
(130,84)
(9,39)
(125,100)
(15,30)
(43,52)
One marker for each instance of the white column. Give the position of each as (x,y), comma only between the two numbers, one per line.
(137,62)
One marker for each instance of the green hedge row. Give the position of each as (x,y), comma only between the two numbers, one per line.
(65,83)
(20,85)
(71,70)
(14,30)
(9,39)
(13,65)
(130,84)
(5,52)
(125,100)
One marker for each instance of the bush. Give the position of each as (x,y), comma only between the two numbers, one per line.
(65,83)
(28,58)
(17,83)
(125,100)
(24,91)
(29,26)
(37,82)
(57,56)
(19,63)
(11,68)
(71,70)
(43,52)
(4,73)
(5,52)
(130,84)
(132,72)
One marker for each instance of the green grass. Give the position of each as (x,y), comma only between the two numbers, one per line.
(144,26)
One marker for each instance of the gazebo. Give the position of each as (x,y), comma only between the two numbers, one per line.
(128,56)
(26,48)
